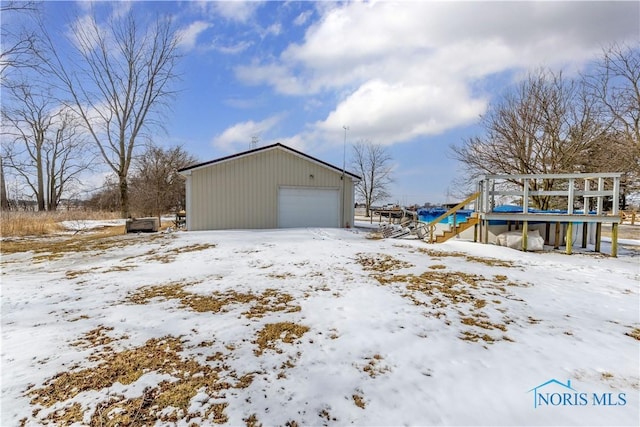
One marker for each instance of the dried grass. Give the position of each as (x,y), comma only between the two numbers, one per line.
(359,401)
(375,366)
(634,333)
(94,338)
(271,333)
(50,248)
(446,294)
(169,401)
(270,300)
(252,421)
(170,256)
(21,223)
(492,262)
(381,263)
(67,415)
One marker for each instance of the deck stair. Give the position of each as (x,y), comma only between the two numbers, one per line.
(470,222)
(455,228)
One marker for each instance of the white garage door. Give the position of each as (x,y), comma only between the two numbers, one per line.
(308,207)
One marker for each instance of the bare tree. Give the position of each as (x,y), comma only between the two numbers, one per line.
(46,148)
(4,201)
(122,79)
(373,163)
(157,186)
(544,125)
(17,43)
(614,85)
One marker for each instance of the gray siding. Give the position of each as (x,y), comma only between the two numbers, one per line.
(242,192)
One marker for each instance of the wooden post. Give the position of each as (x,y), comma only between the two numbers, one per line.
(547,233)
(614,239)
(598,235)
(569,241)
(525,226)
(475,233)
(570,196)
(584,234)
(454,222)
(556,242)
(633,218)
(486,231)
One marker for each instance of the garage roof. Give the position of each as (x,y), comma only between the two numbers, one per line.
(266,148)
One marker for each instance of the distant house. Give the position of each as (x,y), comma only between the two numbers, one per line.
(268,187)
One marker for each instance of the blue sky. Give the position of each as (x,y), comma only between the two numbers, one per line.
(413,76)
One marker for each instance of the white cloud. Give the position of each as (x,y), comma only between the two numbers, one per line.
(120,9)
(392,113)
(404,70)
(84,33)
(238,137)
(233,49)
(273,29)
(189,36)
(239,11)
(302,18)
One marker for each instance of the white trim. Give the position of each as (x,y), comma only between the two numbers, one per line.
(188,209)
(265,150)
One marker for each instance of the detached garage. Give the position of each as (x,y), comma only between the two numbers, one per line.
(269,187)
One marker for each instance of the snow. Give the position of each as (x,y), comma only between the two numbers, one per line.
(565,318)
(85,224)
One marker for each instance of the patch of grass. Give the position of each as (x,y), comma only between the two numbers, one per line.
(492,262)
(170,255)
(20,224)
(471,297)
(72,274)
(482,323)
(375,366)
(67,415)
(280,276)
(475,337)
(381,263)
(270,300)
(634,333)
(271,333)
(324,414)
(51,248)
(479,303)
(117,268)
(606,376)
(169,401)
(94,338)
(359,401)
(252,421)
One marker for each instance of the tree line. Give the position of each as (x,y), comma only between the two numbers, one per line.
(102,99)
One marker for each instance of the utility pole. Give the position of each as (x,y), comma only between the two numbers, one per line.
(344,166)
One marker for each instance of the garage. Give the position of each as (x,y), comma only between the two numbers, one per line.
(268,187)
(308,207)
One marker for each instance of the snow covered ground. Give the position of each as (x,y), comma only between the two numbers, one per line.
(316,327)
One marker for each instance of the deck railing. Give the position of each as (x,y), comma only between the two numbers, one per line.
(431,225)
